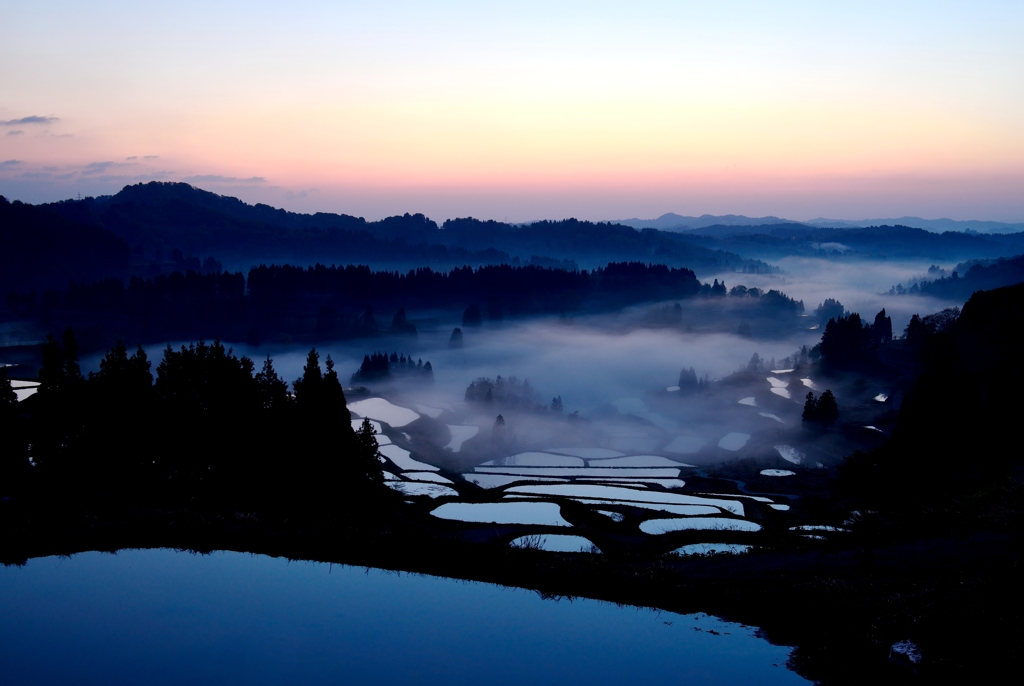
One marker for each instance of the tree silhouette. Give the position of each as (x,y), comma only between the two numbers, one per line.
(830,309)
(366,461)
(688,378)
(810,408)
(334,405)
(60,369)
(455,341)
(472,316)
(121,376)
(309,387)
(273,390)
(400,325)
(824,410)
(881,329)
(828,409)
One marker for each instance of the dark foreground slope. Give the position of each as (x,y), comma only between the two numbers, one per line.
(955,437)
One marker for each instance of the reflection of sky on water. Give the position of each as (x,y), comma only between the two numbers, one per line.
(160,617)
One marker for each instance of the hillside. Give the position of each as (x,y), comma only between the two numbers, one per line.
(155,218)
(42,249)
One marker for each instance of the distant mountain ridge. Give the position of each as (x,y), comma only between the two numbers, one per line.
(676,222)
(776,241)
(937,225)
(158,217)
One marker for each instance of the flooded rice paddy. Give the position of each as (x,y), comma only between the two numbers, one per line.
(165,617)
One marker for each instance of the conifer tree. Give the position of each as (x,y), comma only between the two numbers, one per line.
(367,454)
(882,328)
(334,405)
(810,408)
(273,389)
(455,341)
(308,387)
(828,409)
(60,370)
(122,378)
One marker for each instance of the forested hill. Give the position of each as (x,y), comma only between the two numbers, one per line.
(772,241)
(156,218)
(39,248)
(977,277)
(324,303)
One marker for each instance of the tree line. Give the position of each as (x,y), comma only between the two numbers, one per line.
(379,366)
(210,430)
(323,303)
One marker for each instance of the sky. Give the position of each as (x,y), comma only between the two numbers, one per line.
(525,110)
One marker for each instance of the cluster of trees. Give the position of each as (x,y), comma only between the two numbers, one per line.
(978,275)
(823,410)
(847,341)
(379,366)
(504,392)
(770,311)
(759,364)
(210,431)
(574,239)
(513,289)
(335,302)
(920,329)
(830,309)
(177,305)
(772,299)
(689,381)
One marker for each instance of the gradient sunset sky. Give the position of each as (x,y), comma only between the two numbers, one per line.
(524,110)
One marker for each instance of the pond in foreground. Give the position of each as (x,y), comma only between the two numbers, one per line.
(159,616)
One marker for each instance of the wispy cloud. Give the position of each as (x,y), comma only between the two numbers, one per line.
(16,132)
(34,119)
(9,164)
(151,157)
(98,167)
(215,178)
(133,157)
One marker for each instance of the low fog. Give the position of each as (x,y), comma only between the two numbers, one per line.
(858,285)
(615,370)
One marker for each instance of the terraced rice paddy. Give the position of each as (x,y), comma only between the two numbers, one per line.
(460,434)
(413,488)
(403,461)
(790,454)
(733,441)
(555,543)
(663,526)
(509,512)
(712,549)
(383,411)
